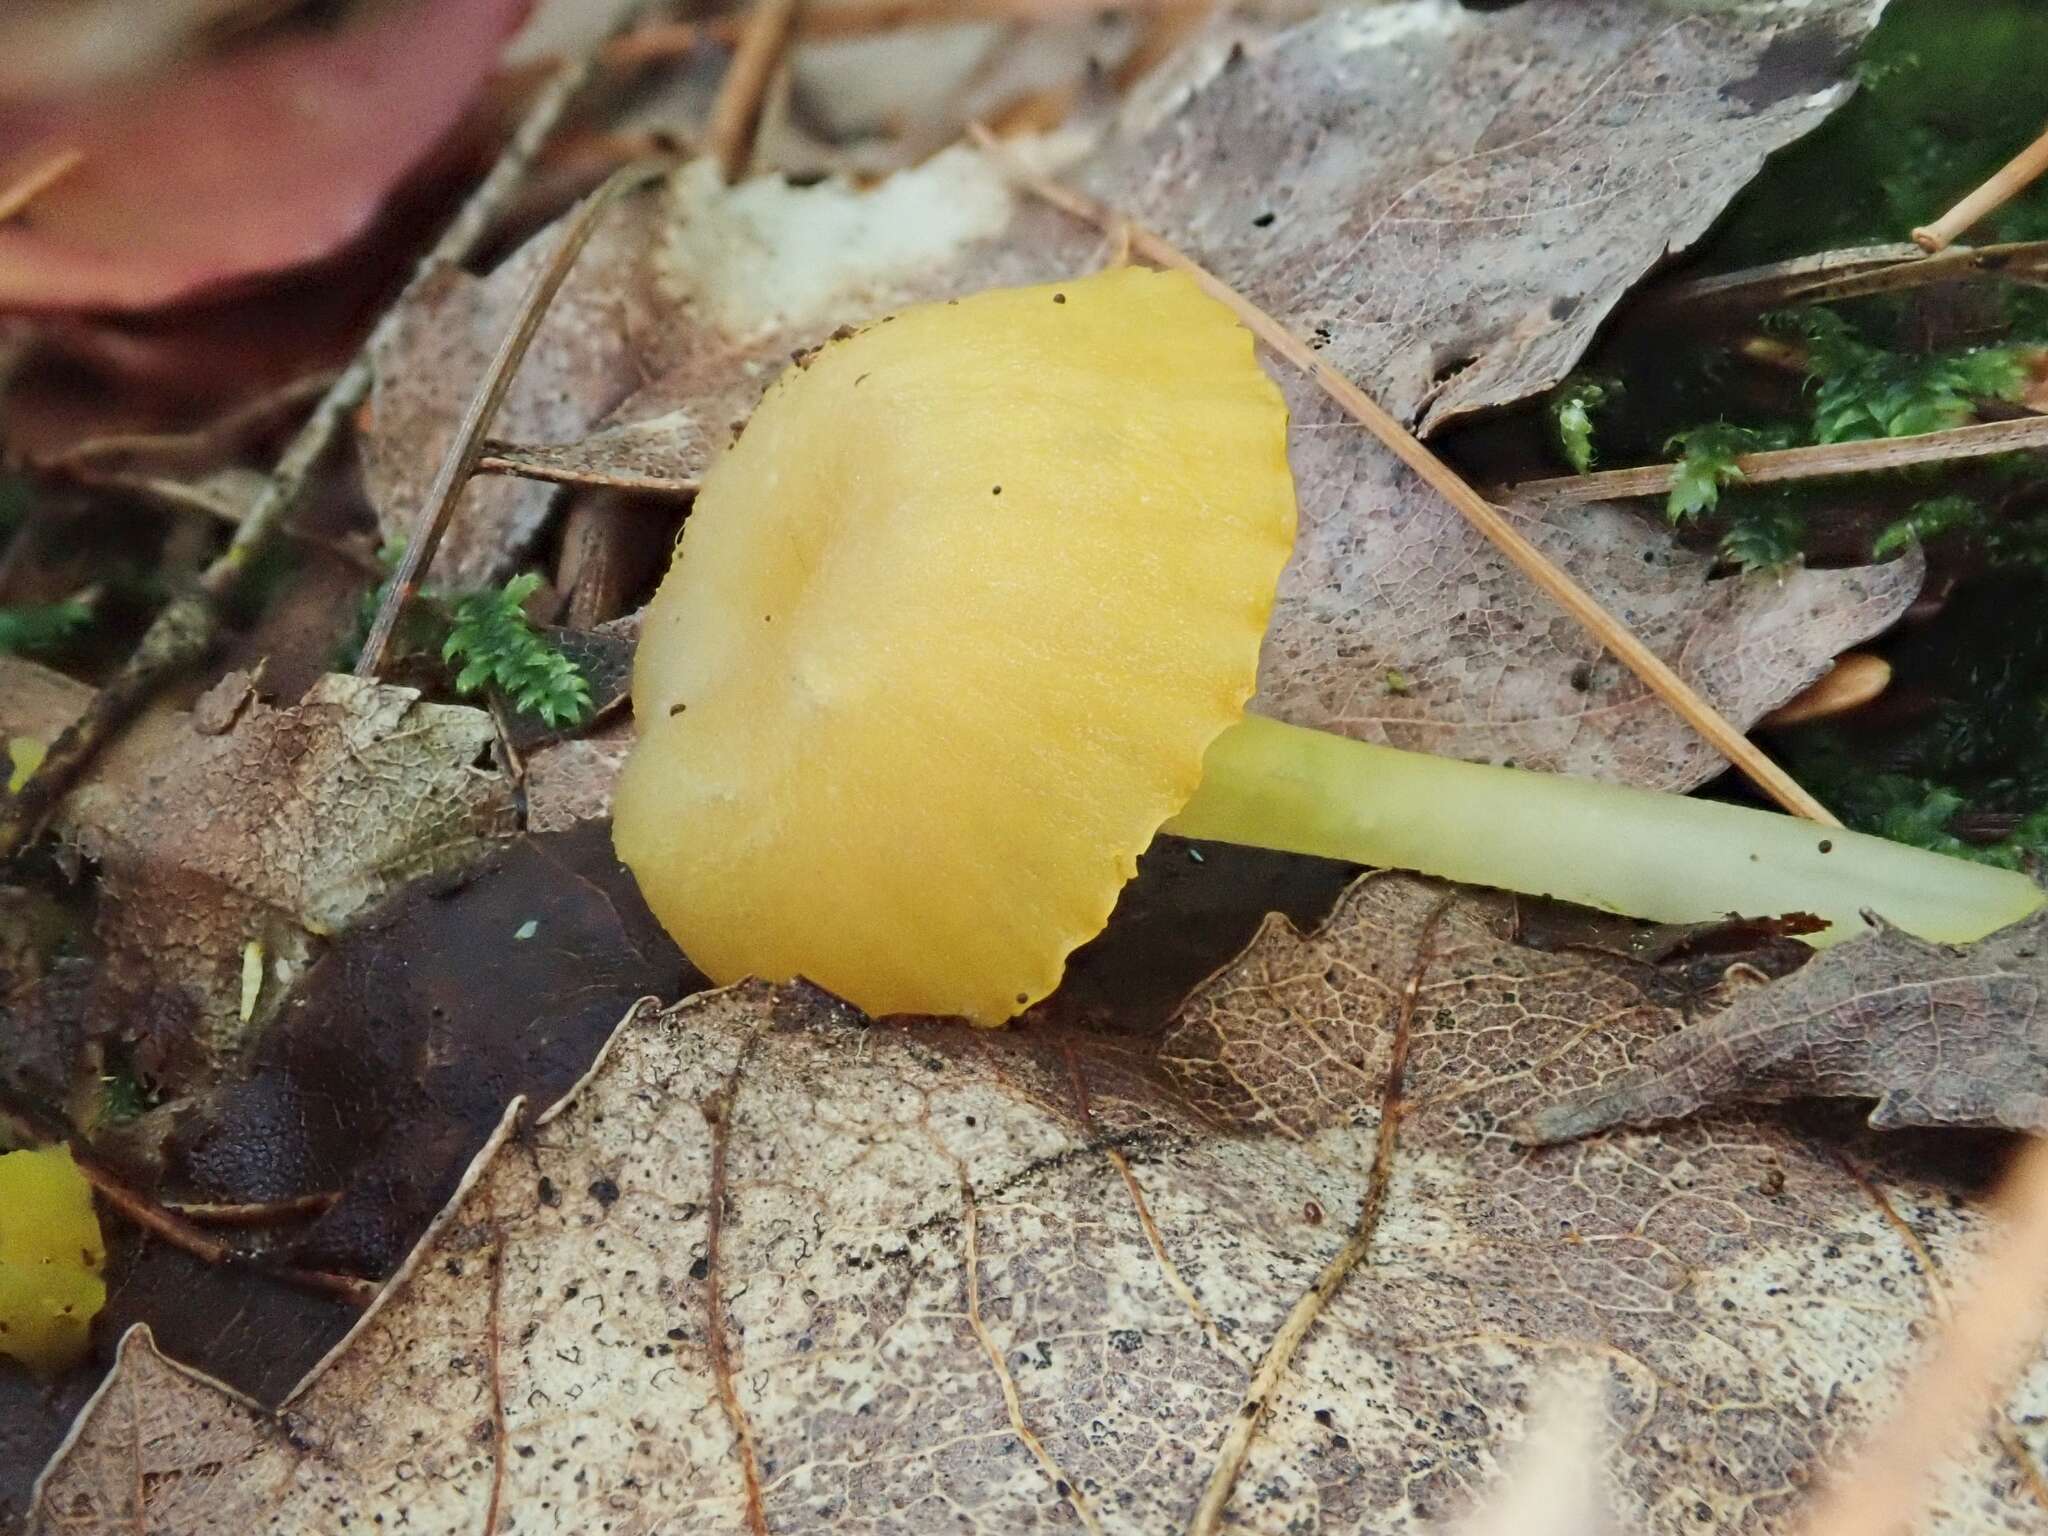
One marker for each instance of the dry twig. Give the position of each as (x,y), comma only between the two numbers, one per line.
(185,628)
(863,18)
(201,447)
(259,1213)
(36,180)
(1236,1449)
(1482,514)
(2007,1434)
(2005,184)
(1869,456)
(1851,274)
(729,137)
(517,460)
(147,1216)
(159,1223)
(467,447)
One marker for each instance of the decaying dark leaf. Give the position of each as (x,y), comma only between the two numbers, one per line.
(1447,202)
(604,657)
(395,1057)
(775,1265)
(1937,1035)
(381,1080)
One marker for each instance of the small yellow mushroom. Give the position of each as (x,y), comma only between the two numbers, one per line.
(972,608)
(51,1256)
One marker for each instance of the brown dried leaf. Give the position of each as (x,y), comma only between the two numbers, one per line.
(673,320)
(583,361)
(1450,203)
(571,781)
(1397,622)
(1936,1034)
(277,830)
(37,702)
(774,1258)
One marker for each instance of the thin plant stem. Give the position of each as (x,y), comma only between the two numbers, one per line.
(1869,456)
(513,459)
(1849,274)
(1989,1334)
(147,1216)
(2005,184)
(765,37)
(37,180)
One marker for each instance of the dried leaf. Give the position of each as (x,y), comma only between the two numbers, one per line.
(1449,203)
(1936,1034)
(273,157)
(380,1080)
(670,325)
(1452,202)
(281,829)
(571,781)
(1389,580)
(772,1257)
(37,702)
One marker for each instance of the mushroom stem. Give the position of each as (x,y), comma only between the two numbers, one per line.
(1668,858)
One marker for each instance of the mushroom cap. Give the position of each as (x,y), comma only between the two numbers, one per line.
(947,635)
(51,1255)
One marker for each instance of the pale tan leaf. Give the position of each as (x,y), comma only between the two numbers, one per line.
(874,1278)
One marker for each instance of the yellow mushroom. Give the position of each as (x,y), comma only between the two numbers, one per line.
(50,1259)
(972,608)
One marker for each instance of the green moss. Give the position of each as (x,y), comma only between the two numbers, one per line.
(1972,756)
(1573,404)
(1706,463)
(42,627)
(1865,391)
(1956,757)
(499,649)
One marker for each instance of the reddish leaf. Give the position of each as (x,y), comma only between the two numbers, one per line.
(272,158)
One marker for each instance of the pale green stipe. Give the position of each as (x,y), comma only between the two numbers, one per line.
(1664,857)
